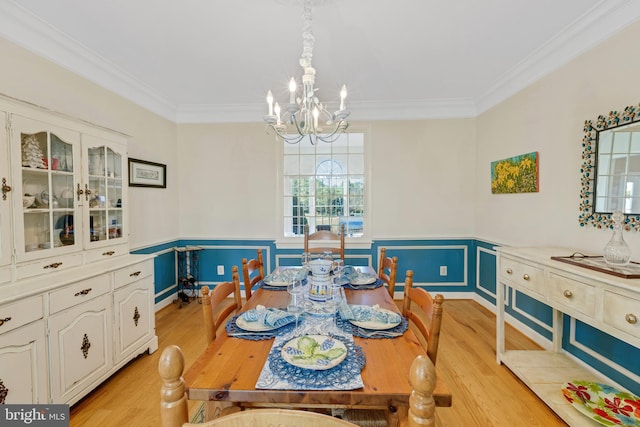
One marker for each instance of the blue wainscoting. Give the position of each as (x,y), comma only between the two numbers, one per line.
(424,257)
(471,273)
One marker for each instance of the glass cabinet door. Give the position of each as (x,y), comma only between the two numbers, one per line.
(105,198)
(49,162)
(6,196)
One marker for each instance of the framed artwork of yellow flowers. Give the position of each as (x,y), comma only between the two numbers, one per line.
(518,174)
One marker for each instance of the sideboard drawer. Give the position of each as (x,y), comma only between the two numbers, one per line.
(132,273)
(106,253)
(16,314)
(48,265)
(571,293)
(78,292)
(622,312)
(522,275)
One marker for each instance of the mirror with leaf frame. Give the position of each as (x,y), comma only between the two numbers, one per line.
(611,169)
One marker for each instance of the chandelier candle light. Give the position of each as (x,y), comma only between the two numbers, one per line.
(304,114)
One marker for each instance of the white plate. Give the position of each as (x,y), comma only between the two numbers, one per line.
(307,352)
(363,280)
(253,326)
(376,326)
(272,282)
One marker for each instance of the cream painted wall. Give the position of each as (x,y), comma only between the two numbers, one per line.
(422,180)
(227,181)
(421,175)
(153,213)
(548,117)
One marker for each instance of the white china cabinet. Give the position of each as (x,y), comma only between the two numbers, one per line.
(72,192)
(64,214)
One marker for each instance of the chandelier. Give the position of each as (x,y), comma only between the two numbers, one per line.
(305,115)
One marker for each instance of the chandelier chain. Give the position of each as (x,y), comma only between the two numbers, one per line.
(307,35)
(304,115)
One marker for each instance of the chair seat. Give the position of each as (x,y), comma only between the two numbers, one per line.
(366,417)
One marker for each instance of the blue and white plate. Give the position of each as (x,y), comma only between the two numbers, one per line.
(315,352)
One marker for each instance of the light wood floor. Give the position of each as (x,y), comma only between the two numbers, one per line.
(484,393)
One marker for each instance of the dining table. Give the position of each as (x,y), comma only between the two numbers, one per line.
(229,369)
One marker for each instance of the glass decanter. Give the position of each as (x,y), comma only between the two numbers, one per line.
(617,252)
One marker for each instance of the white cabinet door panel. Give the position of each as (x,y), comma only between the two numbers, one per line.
(23,365)
(80,347)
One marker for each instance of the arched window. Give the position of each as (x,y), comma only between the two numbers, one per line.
(324,185)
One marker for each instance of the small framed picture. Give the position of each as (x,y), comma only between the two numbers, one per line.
(147,174)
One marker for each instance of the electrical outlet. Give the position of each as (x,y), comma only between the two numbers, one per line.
(443,270)
(220,270)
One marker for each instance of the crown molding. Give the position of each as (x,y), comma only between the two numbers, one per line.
(599,23)
(369,110)
(602,21)
(36,35)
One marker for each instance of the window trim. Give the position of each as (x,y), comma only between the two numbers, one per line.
(294,242)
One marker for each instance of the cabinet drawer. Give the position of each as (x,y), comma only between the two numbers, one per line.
(132,273)
(522,275)
(48,265)
(571,293)
(108,252)
(20,313)
(78,293)
(622,312)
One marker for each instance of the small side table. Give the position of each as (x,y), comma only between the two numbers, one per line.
(188,274)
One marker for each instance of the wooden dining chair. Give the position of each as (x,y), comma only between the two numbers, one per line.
(174,410)
(252,273)
(215,304)
(417,305)
(387,270)
(324,240)
(428,307)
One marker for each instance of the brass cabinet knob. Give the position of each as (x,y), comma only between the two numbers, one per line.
(82,292)
(525,277)
(567,293)
(5,188)
(509,271)
(53,265)
(79,192)
(631,318)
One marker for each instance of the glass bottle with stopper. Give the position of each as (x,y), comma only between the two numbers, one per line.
(617,252)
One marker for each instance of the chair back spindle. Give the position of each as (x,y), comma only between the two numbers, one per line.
(323,240)
(216,308)
(252,273)
(387,270)
(430,308)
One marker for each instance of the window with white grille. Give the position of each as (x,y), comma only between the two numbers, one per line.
(324,185)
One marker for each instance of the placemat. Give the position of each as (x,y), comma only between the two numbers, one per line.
(357,331)
(234,331)
(280,375)
(373,285)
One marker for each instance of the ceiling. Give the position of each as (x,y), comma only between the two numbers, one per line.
(213,61)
